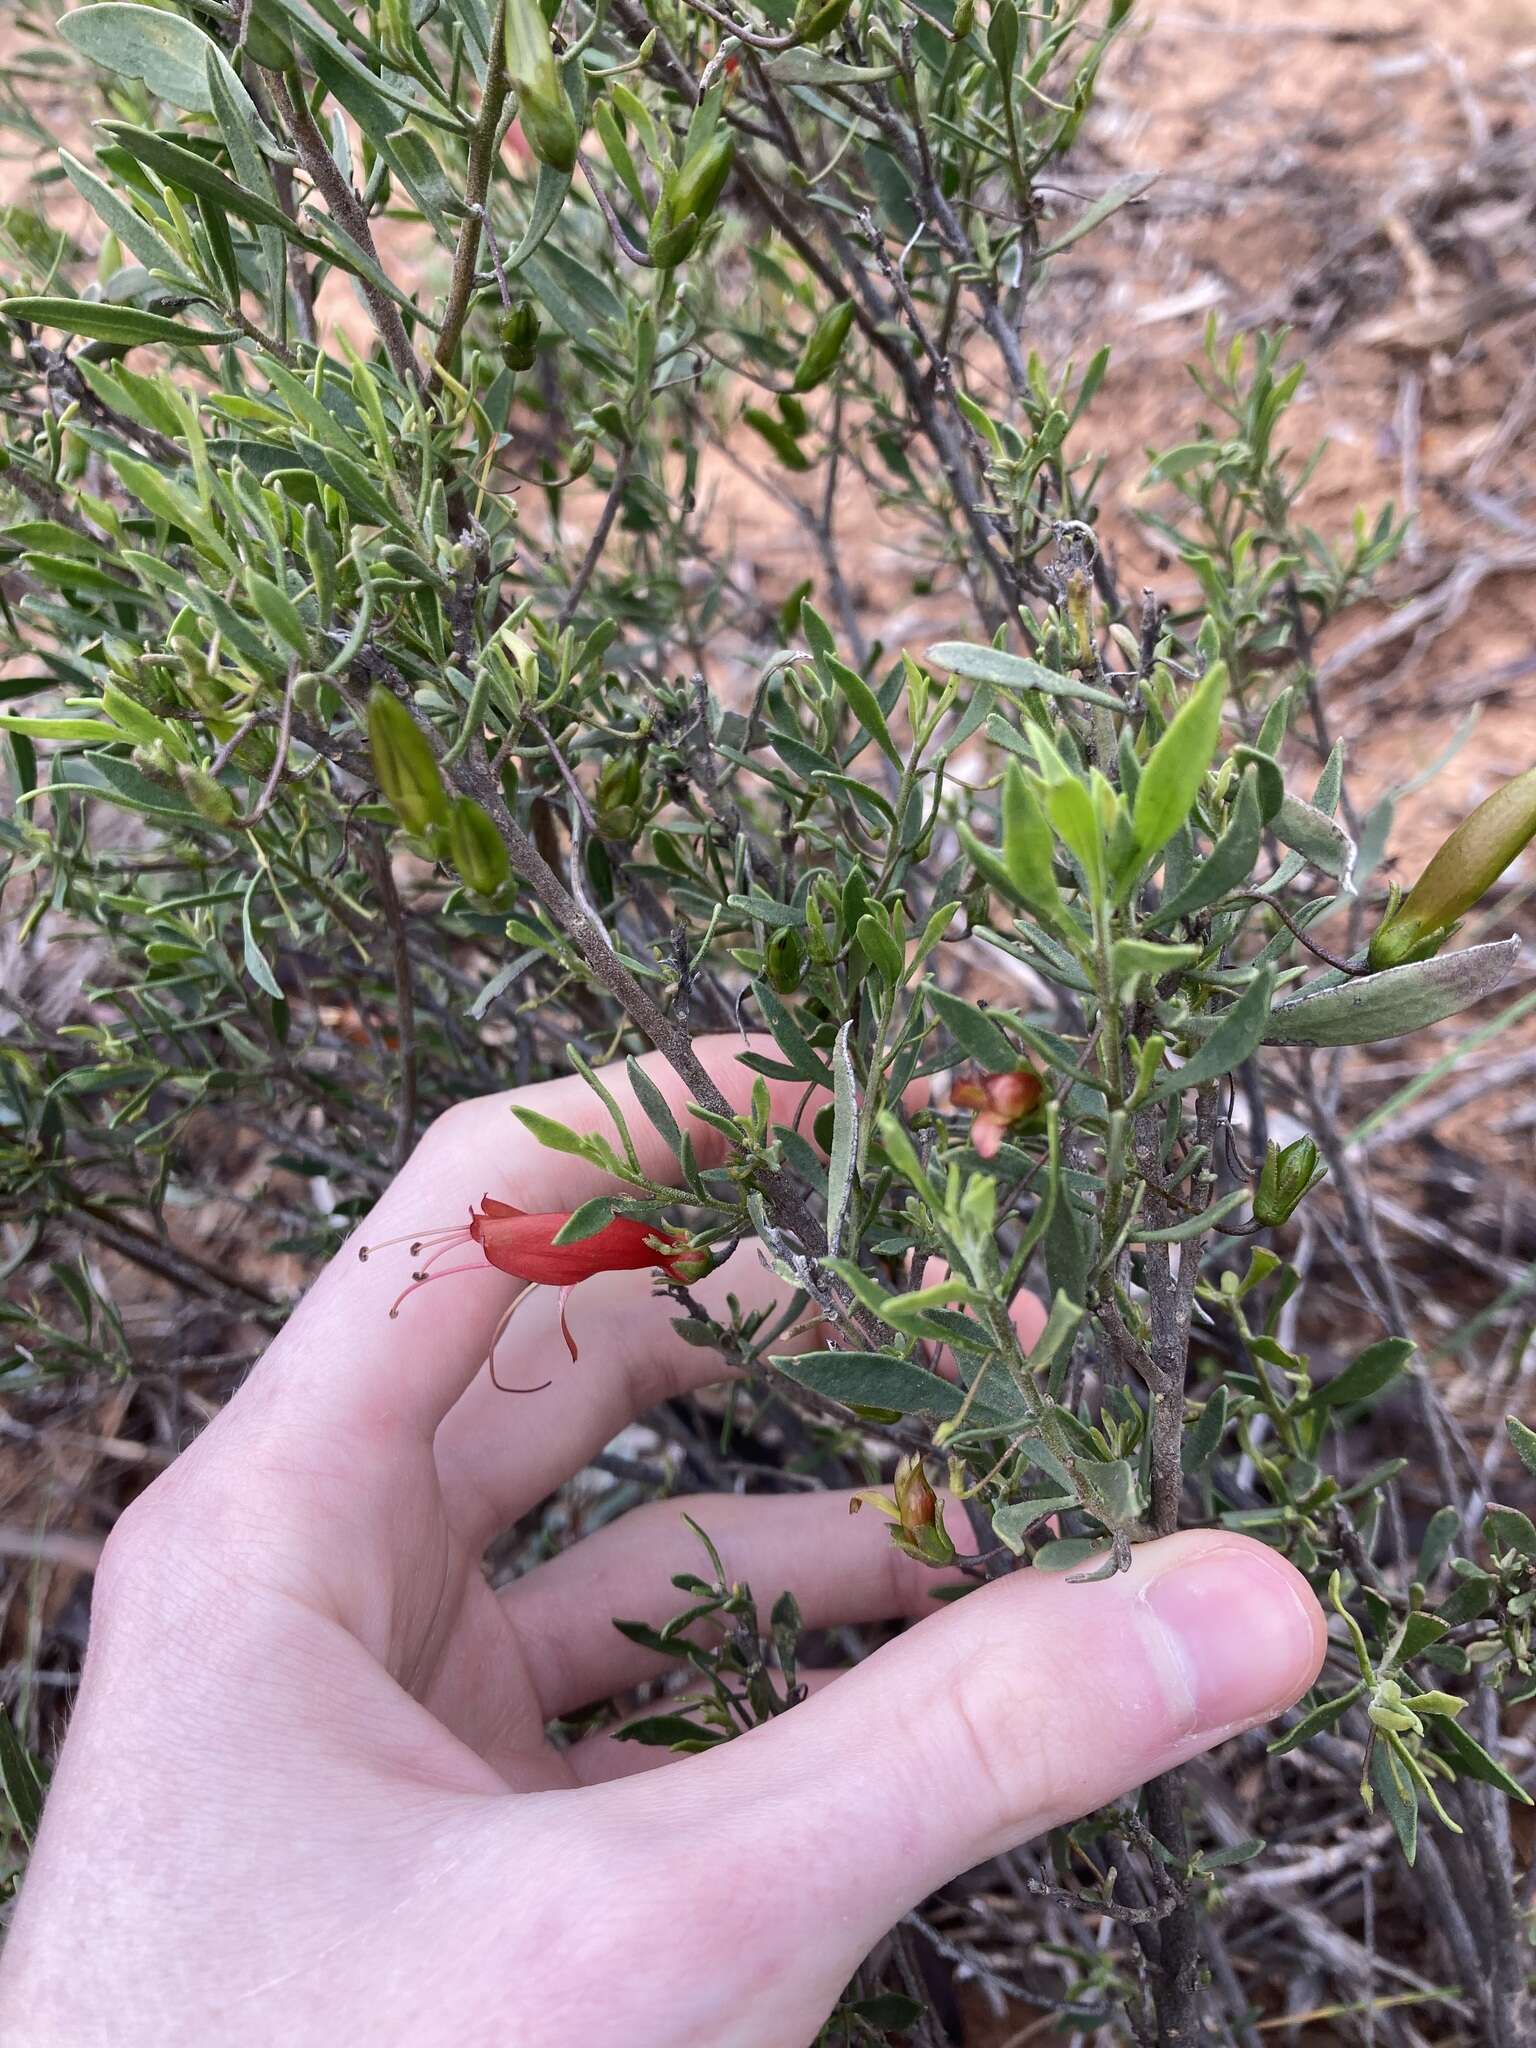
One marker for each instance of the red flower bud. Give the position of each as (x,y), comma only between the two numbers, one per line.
(1000,1100)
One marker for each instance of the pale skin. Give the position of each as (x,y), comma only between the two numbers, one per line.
(307,1795)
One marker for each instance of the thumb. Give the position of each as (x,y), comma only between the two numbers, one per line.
(1025,1704)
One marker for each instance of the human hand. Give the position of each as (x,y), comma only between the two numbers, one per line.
(307,1795)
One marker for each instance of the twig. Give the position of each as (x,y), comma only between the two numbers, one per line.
(599,540)
(477,183)
(348,213)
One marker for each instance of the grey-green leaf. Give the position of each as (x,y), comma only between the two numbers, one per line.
(874,1379)
(170,54)
(1013,672)
(1403,999)
(97,322)
(1319,838)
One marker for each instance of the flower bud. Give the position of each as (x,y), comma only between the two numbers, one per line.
(518,332)
(543,111)
(702,178)
(208,797)
(409,778)
(669,240)
(964,20)
(1288,1172)
(1470,862)
(689,1263)
(820,355)
(784,965)
(921,1533)
(475,848)
(816,19)
(618,798)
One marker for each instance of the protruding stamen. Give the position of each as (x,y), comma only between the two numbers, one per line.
(505,1386)
(425,1280)
(453,1244)
(417,1238)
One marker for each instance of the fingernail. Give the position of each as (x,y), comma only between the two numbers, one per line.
(1244,1630)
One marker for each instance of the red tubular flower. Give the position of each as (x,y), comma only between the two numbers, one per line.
(512,1241)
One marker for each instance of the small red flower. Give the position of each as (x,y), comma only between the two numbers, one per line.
(1000,1101)
(514,1242)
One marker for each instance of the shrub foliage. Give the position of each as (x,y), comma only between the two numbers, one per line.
(391,718)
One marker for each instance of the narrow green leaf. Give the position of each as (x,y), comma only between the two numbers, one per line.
(1177,765)
(134,232)
(874,1379)
(1121,193)
(1523,1441)
(1375,1369)
(1237,1033)
(255,960)
(19,1781)
(100,322)
(1230,861)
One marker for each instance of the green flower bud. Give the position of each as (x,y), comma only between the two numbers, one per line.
(409,778)
(784,964)
(618,798)
(320,553)
(210,799)
(668,244)
(702,178)
(1288,1173)
(543,111)
(964,21)
(815,19)
(821,352)
(518,330)
(475,848)
(1470,862)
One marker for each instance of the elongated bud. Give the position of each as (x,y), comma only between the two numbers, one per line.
(702,178)
(1470,862)
(320,554)
(964,21)
(821,352)
(518,331)
(409,777)
(475,848)
(543,110)
(1287,1174)
(813,21)
(210,799)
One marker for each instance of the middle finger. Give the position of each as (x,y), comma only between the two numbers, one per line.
(498,1454)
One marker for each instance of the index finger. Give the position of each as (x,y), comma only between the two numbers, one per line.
(362,1366)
